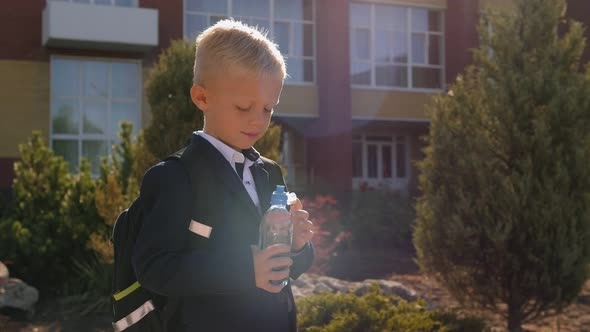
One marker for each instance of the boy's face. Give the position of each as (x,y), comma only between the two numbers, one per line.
(238,104)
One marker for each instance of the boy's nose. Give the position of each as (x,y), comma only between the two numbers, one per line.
(258,117)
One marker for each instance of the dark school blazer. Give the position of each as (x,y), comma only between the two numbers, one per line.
(194,247)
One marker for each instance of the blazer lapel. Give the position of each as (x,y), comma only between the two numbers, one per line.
(263,189)
(217,166)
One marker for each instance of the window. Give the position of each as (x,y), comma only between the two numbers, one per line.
(290,24)
(379,157)
(120,3)
(89,99)
(396,46)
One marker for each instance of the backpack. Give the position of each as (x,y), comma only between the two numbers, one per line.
(134,307)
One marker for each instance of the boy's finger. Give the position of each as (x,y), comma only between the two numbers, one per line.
(282,261)
(303,225)
(279,275)
(297,205)
(299,215)
(275,250)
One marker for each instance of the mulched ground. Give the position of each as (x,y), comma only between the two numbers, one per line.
(50,316)
(575,318)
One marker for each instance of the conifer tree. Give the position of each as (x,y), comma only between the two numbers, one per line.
(505,212)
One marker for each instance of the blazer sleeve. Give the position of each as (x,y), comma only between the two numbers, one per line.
(303,259)
(161,260)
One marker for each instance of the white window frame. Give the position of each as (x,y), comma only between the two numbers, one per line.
(93,2)
(109,137)
(410,64)
(272,20)
(394,182)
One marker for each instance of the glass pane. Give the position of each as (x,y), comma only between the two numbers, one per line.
(418,48)
(103,2)
(383,47)
(391,18)
(125,3)
(428,78)
(214,19)
(294,9)
(357,159)
(194,25)
(400,47)
(391,76)
(419,20)
(380,138)
(94,151)
(68,149)
(256,8)
(65,117)
(372,161)
(123,112)
(434,21)
(65,78)
(308,10)
(207,6)
(295,70)
(400,160)
(434,49)
(125,80)
(308,70)
(362,44)
(360,15)
(261,24)
(96,78)
(81,1)
(361,73)
(288,9)
(281,36)
(303,39)
(386,161)
(95,117)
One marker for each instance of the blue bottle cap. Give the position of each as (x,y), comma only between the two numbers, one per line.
(279,196)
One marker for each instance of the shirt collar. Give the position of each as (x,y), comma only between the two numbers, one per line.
(227,151)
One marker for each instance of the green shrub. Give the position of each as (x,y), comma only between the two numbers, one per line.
(52,218)
(376,312)
(381,219)
(173,115)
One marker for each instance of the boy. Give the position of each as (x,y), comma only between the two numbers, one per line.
(198,248)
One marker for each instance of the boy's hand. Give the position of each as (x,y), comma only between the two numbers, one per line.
(273,257)
(302,227)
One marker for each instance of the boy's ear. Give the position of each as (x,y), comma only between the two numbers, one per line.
(199,96)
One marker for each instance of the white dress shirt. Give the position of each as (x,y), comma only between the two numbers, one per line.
(232,156)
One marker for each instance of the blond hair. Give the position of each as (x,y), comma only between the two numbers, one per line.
(231,42)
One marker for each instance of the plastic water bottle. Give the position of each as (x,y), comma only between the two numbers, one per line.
(276,227)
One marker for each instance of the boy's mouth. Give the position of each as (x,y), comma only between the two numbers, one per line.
(251,135)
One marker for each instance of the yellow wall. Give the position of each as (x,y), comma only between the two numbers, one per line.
(24,103)
(383,104)
(419,3)
(298,100)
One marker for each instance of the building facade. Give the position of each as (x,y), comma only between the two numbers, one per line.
(361,76)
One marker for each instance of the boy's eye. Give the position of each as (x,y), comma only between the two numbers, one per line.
(243,109)
(266,110)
